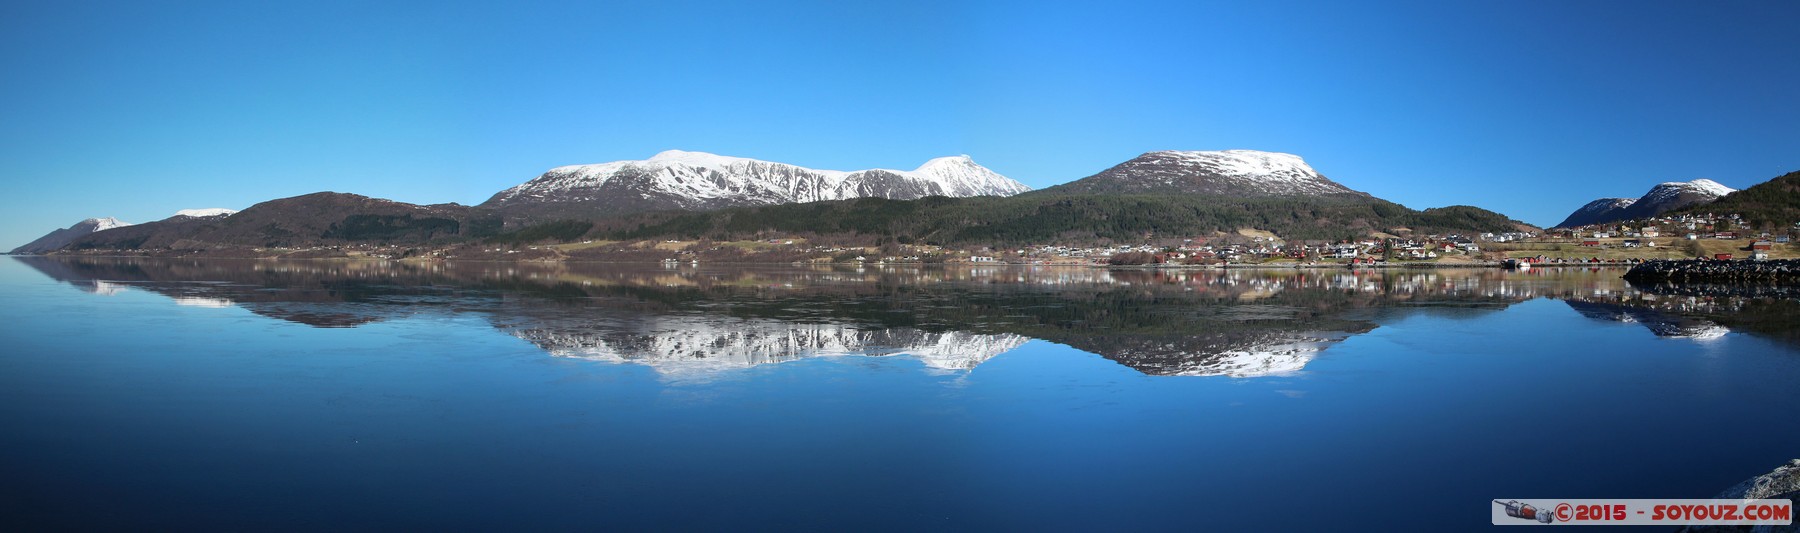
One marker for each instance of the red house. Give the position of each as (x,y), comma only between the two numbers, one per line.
(1722,257)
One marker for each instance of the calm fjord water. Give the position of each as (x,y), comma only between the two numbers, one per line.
(171,394)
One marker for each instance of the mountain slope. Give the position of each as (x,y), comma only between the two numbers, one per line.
(1597,211)
(1042,219)
(1237,173)
(62,237)
(699,181)
(1771,203)
(1662,198)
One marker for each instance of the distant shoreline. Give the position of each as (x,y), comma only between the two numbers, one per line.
(1232,266)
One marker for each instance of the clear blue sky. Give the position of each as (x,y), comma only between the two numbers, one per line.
(1530,108)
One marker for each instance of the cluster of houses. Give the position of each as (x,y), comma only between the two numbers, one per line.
(1635,234)
(1692,227)
(1261,249)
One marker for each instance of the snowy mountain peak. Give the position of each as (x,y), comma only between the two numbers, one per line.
(678,179)
(1700,190)
(698,159)
(1221,172)
(1701,185)
(106,223)
(962,176)
(1248,162)
(205,212)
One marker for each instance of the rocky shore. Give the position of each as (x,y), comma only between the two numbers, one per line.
(1783,483)
(1697,271)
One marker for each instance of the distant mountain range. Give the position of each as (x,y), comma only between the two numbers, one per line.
(1166,193)
(948,200)
(678,180)
(1661,199)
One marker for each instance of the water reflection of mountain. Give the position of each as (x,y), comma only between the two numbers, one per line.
(1699,311)
(685,321)
(1660,323)
(692,345)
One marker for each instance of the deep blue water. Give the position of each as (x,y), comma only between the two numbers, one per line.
(209,397)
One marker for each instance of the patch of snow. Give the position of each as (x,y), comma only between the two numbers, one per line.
(200,301)
(205,212)
(1711,187)
(102,224)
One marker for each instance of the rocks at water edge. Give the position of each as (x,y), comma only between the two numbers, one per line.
(1783,483)
(1698,271)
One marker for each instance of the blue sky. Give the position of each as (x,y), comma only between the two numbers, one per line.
(1530,108)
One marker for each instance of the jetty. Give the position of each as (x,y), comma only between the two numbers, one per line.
(1716,271)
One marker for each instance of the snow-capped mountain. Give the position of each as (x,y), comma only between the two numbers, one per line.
(1661,199)
(1672,193)
(696,180)
(1224,173)
(58,238)
(206,212)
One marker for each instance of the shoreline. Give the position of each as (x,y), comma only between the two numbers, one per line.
(1227,266)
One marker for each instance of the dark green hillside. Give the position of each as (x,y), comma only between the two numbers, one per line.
(1043,218)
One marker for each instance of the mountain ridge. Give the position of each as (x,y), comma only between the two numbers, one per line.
(1157,193)
(1662,198)
(676,179)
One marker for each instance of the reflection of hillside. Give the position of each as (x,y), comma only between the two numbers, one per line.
(1228,353)
(1660,323)
(684,321)
(1699,311)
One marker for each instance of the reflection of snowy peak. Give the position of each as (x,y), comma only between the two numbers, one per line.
(1233,354)
(1659,323)
(701,345)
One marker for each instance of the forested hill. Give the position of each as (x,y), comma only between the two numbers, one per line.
(1060,218)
